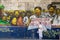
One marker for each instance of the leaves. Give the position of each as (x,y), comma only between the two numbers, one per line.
(51,33)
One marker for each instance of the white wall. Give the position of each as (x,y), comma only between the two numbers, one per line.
(25,4)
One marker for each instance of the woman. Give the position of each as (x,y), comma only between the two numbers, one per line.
(56,21)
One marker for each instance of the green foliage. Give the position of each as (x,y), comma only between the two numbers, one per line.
(51,33)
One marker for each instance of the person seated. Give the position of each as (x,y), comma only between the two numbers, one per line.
(2,12)
(20,20)
(16,13)
(26,18)
(14,21)
(9,18)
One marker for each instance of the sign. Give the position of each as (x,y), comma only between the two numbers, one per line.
(45,22)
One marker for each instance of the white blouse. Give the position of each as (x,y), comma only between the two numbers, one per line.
(56,20)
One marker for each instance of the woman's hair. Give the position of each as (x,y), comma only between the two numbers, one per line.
(57,10)
(38,8)
(50,5)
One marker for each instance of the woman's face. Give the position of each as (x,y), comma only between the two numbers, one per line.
(16,13)
(58,12)
(37,11)
(51,9)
